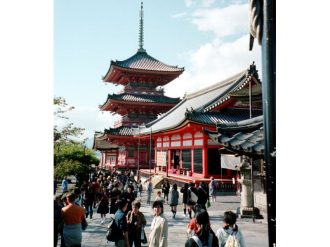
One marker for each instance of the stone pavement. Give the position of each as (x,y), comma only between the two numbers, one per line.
(256,234)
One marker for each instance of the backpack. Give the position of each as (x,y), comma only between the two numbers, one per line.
(112,233)
(199,242)
(193,196)
(232,241)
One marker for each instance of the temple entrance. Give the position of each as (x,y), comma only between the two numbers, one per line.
(175,159)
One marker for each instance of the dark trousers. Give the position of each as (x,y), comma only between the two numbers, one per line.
(135,237)
(89,209)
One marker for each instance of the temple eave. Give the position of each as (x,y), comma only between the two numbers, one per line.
(120,75)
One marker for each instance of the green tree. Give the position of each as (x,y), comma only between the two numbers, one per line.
(71,167)
(71,157)
(68,133)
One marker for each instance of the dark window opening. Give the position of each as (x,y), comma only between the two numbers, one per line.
(186,159)
(198,160)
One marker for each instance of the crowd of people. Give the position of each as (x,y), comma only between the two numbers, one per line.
(120,194)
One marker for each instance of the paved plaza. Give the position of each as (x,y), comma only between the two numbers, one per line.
(256,234)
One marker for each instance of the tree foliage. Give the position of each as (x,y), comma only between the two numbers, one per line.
(71,167)
(71,157)
(68,133)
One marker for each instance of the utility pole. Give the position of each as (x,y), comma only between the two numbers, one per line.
(138,158)
(269,110)
(263,28)
(150,153)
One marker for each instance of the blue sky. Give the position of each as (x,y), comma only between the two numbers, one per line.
(207,37)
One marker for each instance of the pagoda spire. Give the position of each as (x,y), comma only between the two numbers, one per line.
(141,30)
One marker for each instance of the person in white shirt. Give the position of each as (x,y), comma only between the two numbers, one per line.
(159,227)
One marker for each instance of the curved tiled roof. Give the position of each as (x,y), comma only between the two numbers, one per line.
(245,137)
(143,98)
(200,101)
(142,60)
(225,116)
(120,131)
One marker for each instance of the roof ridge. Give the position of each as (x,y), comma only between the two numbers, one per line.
(166,113)
(216,85)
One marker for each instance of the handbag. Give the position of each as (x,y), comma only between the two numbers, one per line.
(208,204)
(143,236)
(84,224)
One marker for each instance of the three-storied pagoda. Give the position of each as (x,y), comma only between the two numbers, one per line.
(140,102)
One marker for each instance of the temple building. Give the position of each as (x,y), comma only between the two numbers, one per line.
(185,146)
(141,101)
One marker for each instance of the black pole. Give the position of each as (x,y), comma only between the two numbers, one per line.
(269,111)
(138,158)
(150,153)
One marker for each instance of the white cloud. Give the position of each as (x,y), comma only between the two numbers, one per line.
(90,118)
(179,15)
(189,2)
(204,3)
(230,20)
(224,56)
(213,62)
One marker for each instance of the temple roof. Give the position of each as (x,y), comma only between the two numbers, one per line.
(201,101)
(100,143)
(243,137)
(143,61)
(224,116)
(242,80)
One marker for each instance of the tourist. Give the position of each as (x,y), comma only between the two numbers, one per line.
(88,198)
(174,199)
(159,227)
(136,222)
(204,235)
(103,207)
(159,197)
(96,191)
(72,216)
(58,223)
(192,226)
(64,185)
(184,191)
(149,191)
(191,201)
(203,195)
(78,200)
(166,189)
(121,224)
(213,189)
(114,196)
(129,196)
(140,188)
(230,228)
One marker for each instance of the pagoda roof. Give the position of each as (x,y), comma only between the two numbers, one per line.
(144,64)
(243,137)
(144,98)
(143,61)
(120,131)
(201,101)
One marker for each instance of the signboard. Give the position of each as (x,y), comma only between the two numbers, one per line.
(230,162)
(161,158)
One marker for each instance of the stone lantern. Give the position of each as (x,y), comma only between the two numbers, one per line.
(247,208)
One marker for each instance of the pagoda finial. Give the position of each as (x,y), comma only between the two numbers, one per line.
(141,29)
